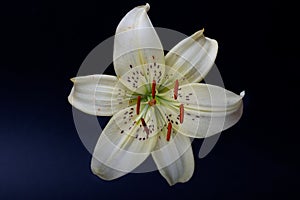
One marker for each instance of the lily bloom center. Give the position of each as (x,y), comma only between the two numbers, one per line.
(152,100)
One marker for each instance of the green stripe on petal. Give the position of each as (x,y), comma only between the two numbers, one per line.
(205,97)
(130,123)
(101,95)
(169,78)
(136,42)
(193,57)
(208,109)
(118,153)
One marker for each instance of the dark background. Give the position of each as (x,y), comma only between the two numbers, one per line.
(43,45)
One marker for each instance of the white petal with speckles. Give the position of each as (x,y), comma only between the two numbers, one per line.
(193,57)
(136,42)
(131,136)
(117,151)
(129,121)
(174,158)
(139,79)
(101,95)
(208,109)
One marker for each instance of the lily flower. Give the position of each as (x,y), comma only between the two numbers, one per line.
(156,102)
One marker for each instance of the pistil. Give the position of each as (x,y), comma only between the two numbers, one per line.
(152,102)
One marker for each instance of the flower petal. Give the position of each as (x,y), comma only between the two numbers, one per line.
(136,42)
(140,78)
(208,109)
(101,95)
(131,124)
(117,152)
(193,57)
(174,159)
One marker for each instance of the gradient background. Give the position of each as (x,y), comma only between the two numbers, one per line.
(42,47)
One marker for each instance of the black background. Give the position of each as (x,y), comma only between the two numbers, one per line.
(42,47)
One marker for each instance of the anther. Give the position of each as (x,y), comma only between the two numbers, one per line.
(146,129)
(181,109)
(176,89)
(153,88)
(169,131)
(143,122)
(138,104)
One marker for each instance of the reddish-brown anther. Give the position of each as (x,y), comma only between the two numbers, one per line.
(176,89)
(169,131)
(181,108)
(153,88)
(145,126)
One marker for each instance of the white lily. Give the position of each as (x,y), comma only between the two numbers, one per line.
(156,102)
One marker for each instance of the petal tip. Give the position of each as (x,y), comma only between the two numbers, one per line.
(242,94)
(70,98)
(198,34)
(171,183)
(100,175)
(147,7)
(72,79)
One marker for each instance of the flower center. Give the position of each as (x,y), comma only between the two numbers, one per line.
(157,95)
(152,102)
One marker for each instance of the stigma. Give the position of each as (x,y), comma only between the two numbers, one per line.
(152,102)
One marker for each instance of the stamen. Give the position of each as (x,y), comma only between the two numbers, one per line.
(143,122)
(146,129)
(152,102)
(169,131)
(181,109)
(138,104)
(153,88)
(176,89)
